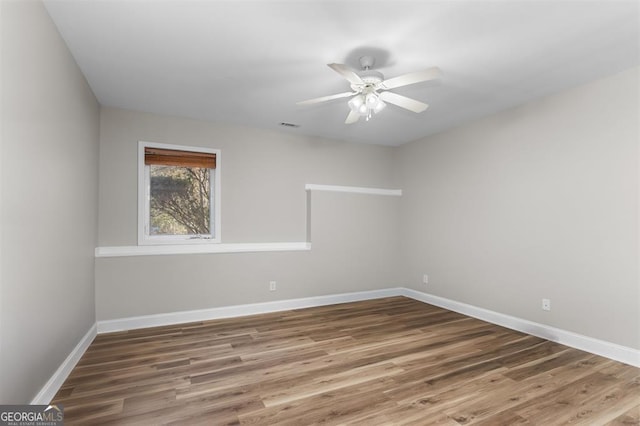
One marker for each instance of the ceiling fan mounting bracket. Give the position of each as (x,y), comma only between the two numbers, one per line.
(367,62)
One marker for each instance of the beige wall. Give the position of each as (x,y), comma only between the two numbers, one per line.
(540,201)
(49,201)
(263,173)
(355,238)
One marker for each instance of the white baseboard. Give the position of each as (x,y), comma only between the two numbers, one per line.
(589,344)
(595,346)
(145,321)
(54,383)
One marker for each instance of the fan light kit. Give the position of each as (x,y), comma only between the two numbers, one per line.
(371,90)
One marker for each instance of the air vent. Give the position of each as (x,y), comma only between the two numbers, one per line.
(289,125)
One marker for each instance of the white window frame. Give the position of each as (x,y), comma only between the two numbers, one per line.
(144,189)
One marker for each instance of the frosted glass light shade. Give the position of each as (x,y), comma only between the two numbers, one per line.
(355,103)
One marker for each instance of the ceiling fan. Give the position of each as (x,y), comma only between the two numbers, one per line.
(370,93)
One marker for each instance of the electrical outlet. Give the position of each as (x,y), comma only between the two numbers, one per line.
(272,286)
(425,279)
(546,304)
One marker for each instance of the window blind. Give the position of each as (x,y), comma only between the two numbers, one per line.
(172,157)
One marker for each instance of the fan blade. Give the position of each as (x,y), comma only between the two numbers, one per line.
(326,98)
(403,101)
(412,78)
(352,117)
(347,73)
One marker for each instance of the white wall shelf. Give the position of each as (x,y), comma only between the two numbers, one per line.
(353,189)
(122,251)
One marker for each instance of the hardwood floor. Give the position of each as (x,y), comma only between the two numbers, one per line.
(391,361)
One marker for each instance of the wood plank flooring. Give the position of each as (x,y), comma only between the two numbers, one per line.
(392,361)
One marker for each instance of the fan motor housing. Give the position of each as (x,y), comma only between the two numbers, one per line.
(372,80)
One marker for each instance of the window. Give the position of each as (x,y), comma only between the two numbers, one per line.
(178,194)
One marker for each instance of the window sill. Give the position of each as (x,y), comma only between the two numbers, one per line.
(126,251)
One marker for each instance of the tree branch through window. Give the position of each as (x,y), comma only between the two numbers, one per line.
(179,200)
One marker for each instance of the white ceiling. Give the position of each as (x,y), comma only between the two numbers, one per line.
(249,62)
